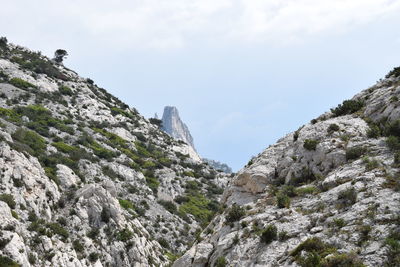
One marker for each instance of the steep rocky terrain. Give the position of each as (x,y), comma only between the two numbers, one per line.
(218,165)
(325,195)
(85,180)
(174,126)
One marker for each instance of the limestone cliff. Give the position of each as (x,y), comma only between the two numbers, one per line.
(326,195)
(85,180)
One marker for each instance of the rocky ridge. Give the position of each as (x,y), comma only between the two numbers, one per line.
(85,180)
(325,195)
(175,127)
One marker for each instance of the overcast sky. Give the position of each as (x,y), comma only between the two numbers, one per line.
(242,73)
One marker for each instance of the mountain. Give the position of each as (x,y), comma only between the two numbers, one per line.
(325,195)
(175,127)
(85,179)
(218,165)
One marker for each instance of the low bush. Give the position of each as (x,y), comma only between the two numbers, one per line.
(235,213)
(93,257)
(347,107)
(7,262)
(9,199)
(269,234)
(126,204)
(17,82)
(124,235)
(63,147)
(221,262)
(306,176)
(310,144)
(393,143)
(393,244)
(355,152)
(348,196)
(198,206)
(282,200)
(333,128)
(374,131)
(31,139)
(395,73)
(168,205)
(77,245)
(65,90)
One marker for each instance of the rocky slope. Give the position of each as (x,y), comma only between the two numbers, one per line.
(85,179)
(325,195)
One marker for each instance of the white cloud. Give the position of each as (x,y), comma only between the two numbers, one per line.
(175,23)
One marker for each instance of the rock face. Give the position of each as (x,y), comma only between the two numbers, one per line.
(173,125)
(325,195)
(87,181)
(218,165)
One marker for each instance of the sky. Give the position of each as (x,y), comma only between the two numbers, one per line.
(242,73)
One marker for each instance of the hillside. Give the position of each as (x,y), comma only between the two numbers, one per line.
(325,195)
(85,179)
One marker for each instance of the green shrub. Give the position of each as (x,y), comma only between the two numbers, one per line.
(31,139)
(235,213)
(374,131)
(124,235)
(221,262)
(152,183)
(163,242)
(35,62)
(126,204)
(105,215)
(56,228)
(63,147)
(315,251)
(93,233)
(342,260)
(309,190)
(282,200)
(347,107)
(100,151)
(269,234)
(393,128)
(168,205)
(339,222)
(333,128)
(198,206)
(7,262)
(306,176)
(14,214)
(348,196)
(17,82)
(77,245)
(370,164)
(393,257)
(65,90)
(355,152)
(395,72)
(93,256)
(310,144)
(393,143)
(9,199)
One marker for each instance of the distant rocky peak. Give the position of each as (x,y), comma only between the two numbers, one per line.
(174,126)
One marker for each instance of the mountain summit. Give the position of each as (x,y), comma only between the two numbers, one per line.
(174,126)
